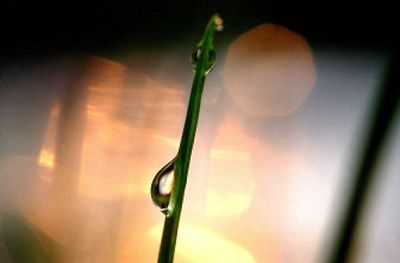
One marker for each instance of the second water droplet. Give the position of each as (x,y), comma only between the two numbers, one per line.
(162,186)
(219,23)
(210,60)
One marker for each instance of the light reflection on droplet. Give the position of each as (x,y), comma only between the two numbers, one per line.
(162,186)
(166,183)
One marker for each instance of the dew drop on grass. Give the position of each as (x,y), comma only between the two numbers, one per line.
(162,185)
(210,56)
(210,60)
(219,23)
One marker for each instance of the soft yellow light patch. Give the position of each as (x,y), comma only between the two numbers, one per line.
(46,159)
(47,155)
(231,186)
(197,244)
(227,203)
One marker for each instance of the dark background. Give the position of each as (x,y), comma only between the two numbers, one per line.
(106,27)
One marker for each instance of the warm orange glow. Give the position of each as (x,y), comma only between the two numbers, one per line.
(197,244)
(269,71)
(131,127)
(240,191)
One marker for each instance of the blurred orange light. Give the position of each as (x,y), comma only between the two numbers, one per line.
(131,127)
(269,71)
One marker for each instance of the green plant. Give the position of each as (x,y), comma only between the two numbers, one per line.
(174,174)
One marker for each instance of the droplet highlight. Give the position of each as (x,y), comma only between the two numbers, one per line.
(162,186)
(210,59)
(219,23)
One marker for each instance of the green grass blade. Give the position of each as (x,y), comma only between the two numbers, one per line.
(205,59)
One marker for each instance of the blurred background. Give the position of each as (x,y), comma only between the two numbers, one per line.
(93,98)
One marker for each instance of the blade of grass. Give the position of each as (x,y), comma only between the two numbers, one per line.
(204,63)
(380,127)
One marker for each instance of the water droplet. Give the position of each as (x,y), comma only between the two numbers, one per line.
(162,185)
(219,23)
(210,59)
